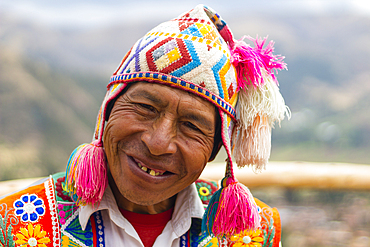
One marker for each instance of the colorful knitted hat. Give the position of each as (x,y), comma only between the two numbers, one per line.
(196,52)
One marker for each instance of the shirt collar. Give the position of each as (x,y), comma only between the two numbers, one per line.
(188,205)
(108,202)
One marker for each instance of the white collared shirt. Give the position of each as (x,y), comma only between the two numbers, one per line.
(119,231)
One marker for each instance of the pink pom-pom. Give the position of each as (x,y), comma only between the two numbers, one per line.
(237,211)
(253,64)
(86,175)
(91,177)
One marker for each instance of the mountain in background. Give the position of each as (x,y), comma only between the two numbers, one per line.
(52,82)
(44,113)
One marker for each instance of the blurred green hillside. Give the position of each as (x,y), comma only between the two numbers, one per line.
(44,114)
(52,82)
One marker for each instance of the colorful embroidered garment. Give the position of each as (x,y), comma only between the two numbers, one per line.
(44,215)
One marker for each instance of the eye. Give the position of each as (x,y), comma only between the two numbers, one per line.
(191,126)
(147,107)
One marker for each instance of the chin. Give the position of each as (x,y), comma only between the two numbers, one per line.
(144,199)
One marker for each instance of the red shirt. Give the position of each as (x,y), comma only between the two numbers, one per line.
(148,226)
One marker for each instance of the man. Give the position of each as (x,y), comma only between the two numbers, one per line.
(183,90)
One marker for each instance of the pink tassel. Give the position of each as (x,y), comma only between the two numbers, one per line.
(87,174)
(253,64)
(238,211)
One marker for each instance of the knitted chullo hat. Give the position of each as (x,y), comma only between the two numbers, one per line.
(196,52)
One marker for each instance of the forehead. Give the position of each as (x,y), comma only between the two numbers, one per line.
(159,93)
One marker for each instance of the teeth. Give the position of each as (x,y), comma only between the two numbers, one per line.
(149,171)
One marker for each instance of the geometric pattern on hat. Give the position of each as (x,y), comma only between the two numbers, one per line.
(173,56)
(199,29)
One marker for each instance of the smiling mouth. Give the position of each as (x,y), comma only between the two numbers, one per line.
(151,171)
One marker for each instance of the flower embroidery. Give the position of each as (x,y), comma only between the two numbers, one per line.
(32,237)
(67,242)
(29,208)
(248,239)
(204,191)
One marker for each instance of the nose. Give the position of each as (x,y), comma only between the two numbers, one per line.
(160,139)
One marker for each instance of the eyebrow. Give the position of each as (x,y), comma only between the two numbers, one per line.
(149,96)
(204,121)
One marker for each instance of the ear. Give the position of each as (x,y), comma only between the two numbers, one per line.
(216,147)
(110,105)
(217,140)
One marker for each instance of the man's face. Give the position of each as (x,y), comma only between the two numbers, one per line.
(158,140)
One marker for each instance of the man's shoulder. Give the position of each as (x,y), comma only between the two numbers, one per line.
(37,188)
(30,214)
(43,214)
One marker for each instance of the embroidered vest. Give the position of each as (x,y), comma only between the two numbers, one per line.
(43,216)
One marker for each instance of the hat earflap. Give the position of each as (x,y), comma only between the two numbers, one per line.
(86,174)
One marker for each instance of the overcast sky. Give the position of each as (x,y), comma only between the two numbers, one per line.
(94,13)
